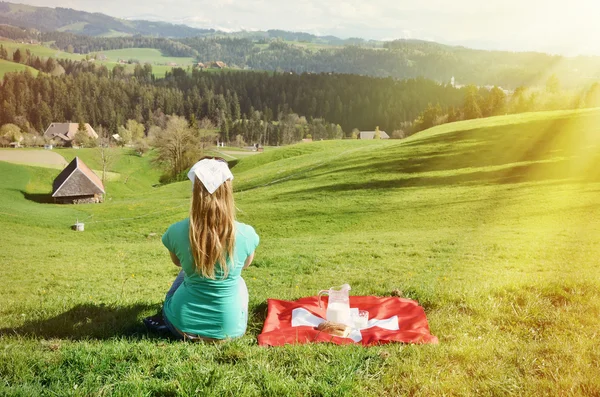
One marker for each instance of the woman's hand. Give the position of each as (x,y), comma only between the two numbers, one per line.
(249,260)
(175,259)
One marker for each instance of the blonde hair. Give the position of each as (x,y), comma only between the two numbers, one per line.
(212,228)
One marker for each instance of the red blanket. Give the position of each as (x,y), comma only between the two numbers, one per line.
(412,322)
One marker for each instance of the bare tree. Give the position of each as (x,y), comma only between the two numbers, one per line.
(178,147)
(104,152)
(207,133)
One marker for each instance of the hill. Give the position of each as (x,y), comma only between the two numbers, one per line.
(38,50)
(490,224)
(281,50)
(6,67)
(48,19)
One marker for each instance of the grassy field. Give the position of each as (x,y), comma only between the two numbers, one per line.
(7,67)
(144,55)
(38,49)
(492,225)
(159,62)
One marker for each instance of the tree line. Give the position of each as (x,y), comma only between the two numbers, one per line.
(481,102)
(81,44)
(252,107)
(15,33)
(83,91)
(400,59)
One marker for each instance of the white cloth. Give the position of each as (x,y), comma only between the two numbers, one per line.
(302,316)
(212,173)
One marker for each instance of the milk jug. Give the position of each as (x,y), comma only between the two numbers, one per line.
(338,308)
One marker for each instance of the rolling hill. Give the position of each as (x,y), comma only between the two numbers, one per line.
(82,32)
(490,224)
(6,67)
(48,19)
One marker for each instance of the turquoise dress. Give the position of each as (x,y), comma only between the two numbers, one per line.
(206,307)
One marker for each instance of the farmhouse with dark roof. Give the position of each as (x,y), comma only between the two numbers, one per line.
(66,131)
(77,184)
(371,135)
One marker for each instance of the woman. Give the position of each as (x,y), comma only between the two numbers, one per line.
(209,299)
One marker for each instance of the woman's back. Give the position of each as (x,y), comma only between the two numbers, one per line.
(209,307)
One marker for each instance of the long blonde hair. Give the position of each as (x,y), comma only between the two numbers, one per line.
(212,228)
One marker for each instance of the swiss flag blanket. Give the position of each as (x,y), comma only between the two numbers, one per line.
(390,320)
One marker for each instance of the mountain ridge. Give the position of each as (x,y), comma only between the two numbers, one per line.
(47,19)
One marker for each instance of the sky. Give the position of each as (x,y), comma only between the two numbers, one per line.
(555,26)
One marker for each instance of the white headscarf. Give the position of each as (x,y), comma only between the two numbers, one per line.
(212,173)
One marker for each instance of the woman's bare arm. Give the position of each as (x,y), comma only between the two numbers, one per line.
(175,259)
(249,260)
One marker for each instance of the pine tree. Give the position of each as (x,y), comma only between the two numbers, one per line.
(471,106)
(224,130)
(17,56)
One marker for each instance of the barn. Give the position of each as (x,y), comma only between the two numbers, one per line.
(371,135)
(66,132)
(77,184)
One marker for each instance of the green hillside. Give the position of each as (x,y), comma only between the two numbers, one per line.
(94,24)
(6,67)
(146,55)
(38,49)
(492,225)
(160,63)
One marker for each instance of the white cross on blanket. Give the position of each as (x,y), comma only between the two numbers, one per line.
(302,316)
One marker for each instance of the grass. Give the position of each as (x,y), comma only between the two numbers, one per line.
(152,56)
(137,174)
(145,55)
(492,225)
(39,50)
(8,67)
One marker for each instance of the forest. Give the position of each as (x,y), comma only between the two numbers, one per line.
(399,59)
(83,91)
(270,108)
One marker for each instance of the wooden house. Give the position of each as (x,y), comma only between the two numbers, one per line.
(77,184)
(66,132)
(371,135)
(218,65)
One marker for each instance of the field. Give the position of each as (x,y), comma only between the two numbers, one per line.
(144,55)
(7,67)
(492,225)
(38,49)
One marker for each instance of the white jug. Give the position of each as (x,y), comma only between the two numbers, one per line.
(338,308)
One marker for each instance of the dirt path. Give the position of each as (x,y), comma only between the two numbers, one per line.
(41,158)
(44,158)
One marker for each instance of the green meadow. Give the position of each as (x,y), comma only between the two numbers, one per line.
(159,62)
(38,49)
(9,67)
(145,55)
(492,225)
